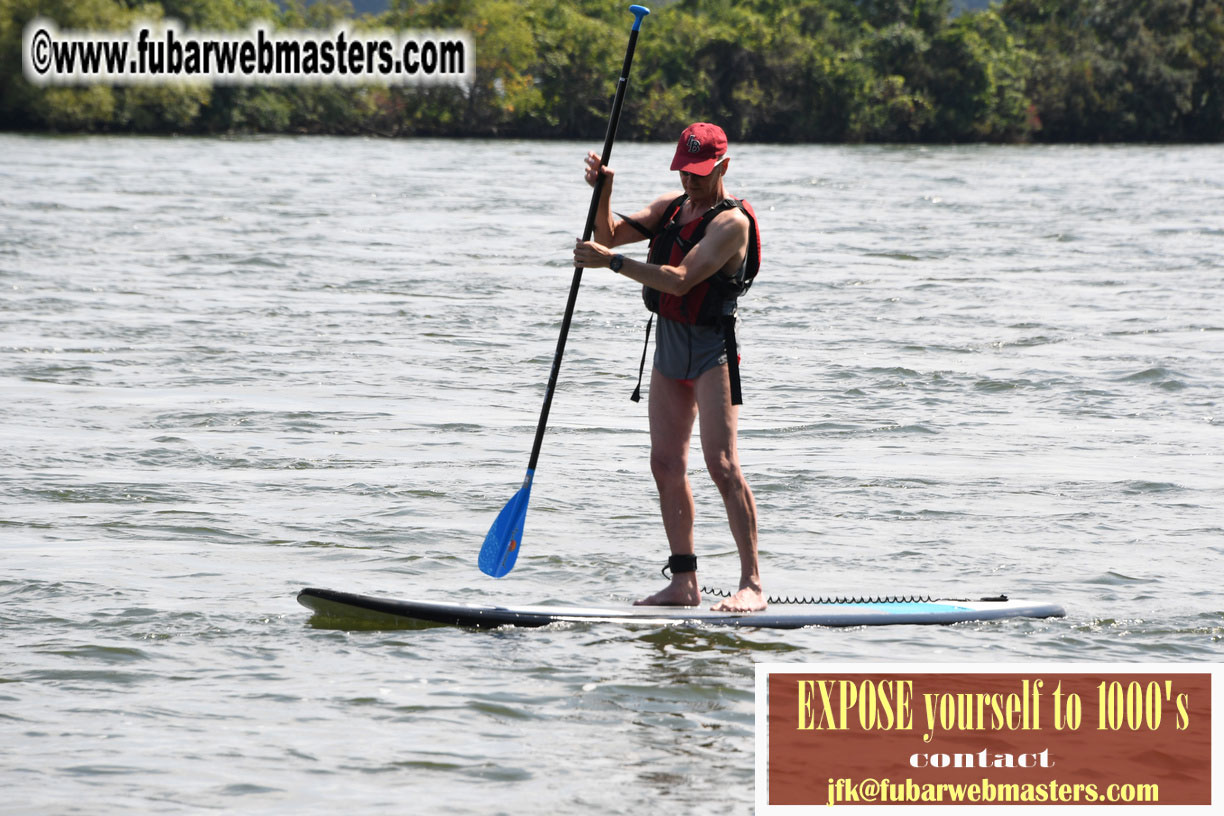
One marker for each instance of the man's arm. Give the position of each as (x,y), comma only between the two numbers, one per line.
(611,231)
(726,239)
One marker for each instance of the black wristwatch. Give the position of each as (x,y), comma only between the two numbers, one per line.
(616,263)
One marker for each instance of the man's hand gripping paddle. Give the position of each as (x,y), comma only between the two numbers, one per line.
(502,544)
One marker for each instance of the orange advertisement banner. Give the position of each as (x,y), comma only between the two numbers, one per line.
(1015,738)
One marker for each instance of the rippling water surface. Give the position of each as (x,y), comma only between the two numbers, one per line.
(230,369)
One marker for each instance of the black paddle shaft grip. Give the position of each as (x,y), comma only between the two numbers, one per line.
(609,137)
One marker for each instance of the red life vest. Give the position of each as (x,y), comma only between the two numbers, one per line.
(715,297)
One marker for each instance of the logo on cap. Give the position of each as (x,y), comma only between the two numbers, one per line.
(693,143)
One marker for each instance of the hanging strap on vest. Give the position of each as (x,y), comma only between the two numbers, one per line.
(636,396)
(733,372)
(637,225)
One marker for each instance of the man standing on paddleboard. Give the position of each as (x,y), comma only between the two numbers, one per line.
(704,252)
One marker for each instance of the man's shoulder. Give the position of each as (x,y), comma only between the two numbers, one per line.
(732,218)
(666,199)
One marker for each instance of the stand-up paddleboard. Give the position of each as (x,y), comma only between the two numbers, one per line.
(389,613)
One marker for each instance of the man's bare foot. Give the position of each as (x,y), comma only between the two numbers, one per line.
(748,599)
(680,592)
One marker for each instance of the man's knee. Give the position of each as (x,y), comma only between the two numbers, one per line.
(667,468)
(724,470)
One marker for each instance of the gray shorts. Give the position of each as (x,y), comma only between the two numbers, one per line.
(685,352)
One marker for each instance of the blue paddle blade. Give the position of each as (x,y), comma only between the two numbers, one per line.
(501,545)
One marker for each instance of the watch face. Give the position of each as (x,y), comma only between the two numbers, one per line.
(617,261)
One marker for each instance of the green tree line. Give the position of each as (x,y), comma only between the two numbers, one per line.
(767,70)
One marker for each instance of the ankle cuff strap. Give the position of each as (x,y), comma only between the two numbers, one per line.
(682,563)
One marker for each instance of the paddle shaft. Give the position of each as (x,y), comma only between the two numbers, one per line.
(613,120)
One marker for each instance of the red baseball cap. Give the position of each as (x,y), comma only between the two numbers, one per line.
(701,147)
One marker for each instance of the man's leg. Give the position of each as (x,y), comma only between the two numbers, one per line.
(719,422)
(673,408)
